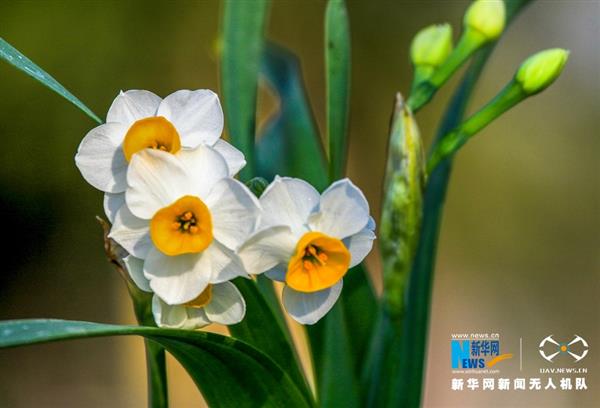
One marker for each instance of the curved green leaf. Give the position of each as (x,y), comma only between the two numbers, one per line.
(11,55)
(360,312)
(337,66)
(265,330)
(292,135)
(243,27)
(228,372)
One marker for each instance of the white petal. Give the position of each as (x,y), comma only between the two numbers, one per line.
(131,106)
(227,305)
(205,167)
(100,158)
(359,245)
(178,316)
(176,279)
(132,233)
(234,158)
(343,210)
(196,318)
(234,211)
(223,262)
(135,267)
(309,308)
(156,179)
(288,201)
(168,316)
(268,248)
(197,116)
(371,224)
(112,203)
(277,273)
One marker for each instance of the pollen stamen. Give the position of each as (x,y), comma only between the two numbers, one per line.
(186,222)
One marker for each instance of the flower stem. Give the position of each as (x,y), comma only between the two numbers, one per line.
(449,144)
(158,396)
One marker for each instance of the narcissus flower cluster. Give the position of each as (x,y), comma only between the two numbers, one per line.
(190,227)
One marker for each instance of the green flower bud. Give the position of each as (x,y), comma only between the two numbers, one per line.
(432,45)
(541,69)
(402,206)
(487,18)
(257,185)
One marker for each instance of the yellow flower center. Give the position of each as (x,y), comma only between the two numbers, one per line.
(155,133)
(202,300)
(183,227)
(320,262)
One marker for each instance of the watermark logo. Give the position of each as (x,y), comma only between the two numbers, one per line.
(476,352)
(577,348)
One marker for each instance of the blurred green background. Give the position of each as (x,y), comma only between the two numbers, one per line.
(520,238)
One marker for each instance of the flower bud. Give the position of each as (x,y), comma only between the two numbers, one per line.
(541,69)
(432,45)
(257,185)
(402,206)
(486,17)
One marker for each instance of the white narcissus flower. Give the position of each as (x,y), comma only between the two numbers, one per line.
(185,217)
(309,241)
(219,303)
(138,120)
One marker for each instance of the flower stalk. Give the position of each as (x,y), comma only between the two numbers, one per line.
(158,395)
(533,76)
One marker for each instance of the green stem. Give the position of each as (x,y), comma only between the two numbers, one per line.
(158,396)
(449,144)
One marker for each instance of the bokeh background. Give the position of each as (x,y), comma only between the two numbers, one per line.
(519,243)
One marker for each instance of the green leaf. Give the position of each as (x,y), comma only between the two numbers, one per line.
(360,311)
(11,55)
(339,341)
(290,144)
(243,28)
(228,372)
(264,329)
(337,66)
(338,386)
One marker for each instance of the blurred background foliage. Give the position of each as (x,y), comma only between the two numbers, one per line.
(519,243)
